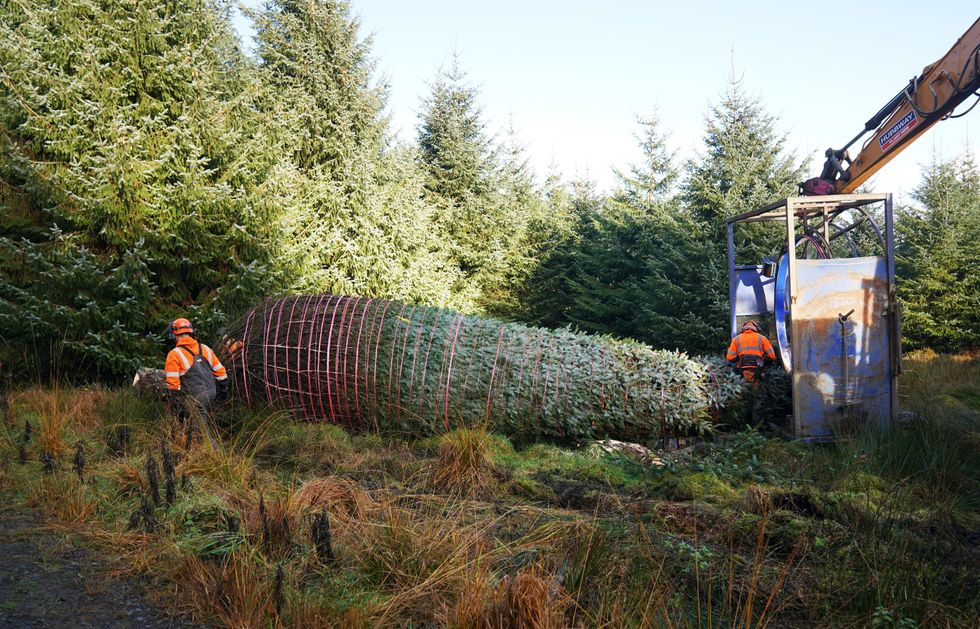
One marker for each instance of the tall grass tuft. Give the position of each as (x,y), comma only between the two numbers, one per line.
(463,462)
(235,591)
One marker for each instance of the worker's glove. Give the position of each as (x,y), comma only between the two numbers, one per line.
(222,386)
(735,369)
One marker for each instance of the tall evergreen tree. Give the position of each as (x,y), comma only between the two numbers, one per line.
(618,239)
(648,186)
(554,293)
(477,195)
(745,165)
(937,259)
(131,137)
(650,264)
(595,261)
(354,216)
(458,156)
(523,206)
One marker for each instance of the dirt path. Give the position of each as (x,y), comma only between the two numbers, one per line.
(48,582)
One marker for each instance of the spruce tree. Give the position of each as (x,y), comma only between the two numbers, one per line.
(745,165)
(523,205)
(608,273)
(354,217)
(551,295)
(937,259)
(605,276)
(467,186)
(131,139)
(647,187)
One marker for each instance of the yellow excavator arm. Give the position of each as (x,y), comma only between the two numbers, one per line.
(927,99)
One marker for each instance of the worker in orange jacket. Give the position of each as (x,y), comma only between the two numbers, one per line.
(194,373)
(750,353)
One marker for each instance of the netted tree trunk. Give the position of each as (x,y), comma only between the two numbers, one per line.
(369,363)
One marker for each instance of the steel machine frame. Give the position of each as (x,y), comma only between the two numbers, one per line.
(836,317)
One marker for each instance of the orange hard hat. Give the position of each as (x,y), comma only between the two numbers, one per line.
(750,324)
(181,326)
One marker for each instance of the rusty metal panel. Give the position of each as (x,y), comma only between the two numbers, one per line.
(841,372)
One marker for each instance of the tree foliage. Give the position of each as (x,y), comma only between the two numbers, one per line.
(129,129)
(648,262)
(937,259)
(482,193)
(149,169)
(352,216)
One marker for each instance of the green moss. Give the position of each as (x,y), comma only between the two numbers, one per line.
(302,447)
(861,482)
(747,523)
(699,486)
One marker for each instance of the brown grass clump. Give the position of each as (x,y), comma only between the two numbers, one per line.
(64,498)
(756,500)
(473,606)
(463,464)
(422,561)
(342,498)
(304,612)
(128,476)
(271,522)
(529,600)
(58,409)
(82,407)
(237,591)
(222,467)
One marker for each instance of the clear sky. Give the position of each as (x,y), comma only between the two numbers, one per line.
(573,75)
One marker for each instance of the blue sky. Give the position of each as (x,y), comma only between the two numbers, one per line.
(573,75)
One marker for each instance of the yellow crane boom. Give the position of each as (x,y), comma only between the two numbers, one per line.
(928,98)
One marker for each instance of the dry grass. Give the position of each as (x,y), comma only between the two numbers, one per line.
(236,591)
(127,475)
(64,498)
(343,499)
(463,463)
(56,416)
(305,612)
(532,599)
(421,559)
(421,535)
(529,599)
(220,467)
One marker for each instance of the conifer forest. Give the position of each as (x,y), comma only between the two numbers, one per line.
(462,393)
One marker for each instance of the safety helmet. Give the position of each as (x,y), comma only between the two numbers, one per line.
(181,326)
(750,325)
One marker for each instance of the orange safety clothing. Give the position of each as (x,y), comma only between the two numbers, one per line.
(180,359)
(750,349)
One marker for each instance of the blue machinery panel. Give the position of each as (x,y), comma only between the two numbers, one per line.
(837,328)
(753,291)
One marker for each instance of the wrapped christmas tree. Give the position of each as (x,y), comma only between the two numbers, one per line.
(369,363)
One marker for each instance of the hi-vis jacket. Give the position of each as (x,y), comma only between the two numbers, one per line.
(181,358)
(750,349)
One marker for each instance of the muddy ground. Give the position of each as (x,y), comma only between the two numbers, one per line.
(48,581)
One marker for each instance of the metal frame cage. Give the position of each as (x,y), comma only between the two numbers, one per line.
(836,317)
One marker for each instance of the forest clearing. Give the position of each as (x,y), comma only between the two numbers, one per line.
(390,379)
(299,524)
